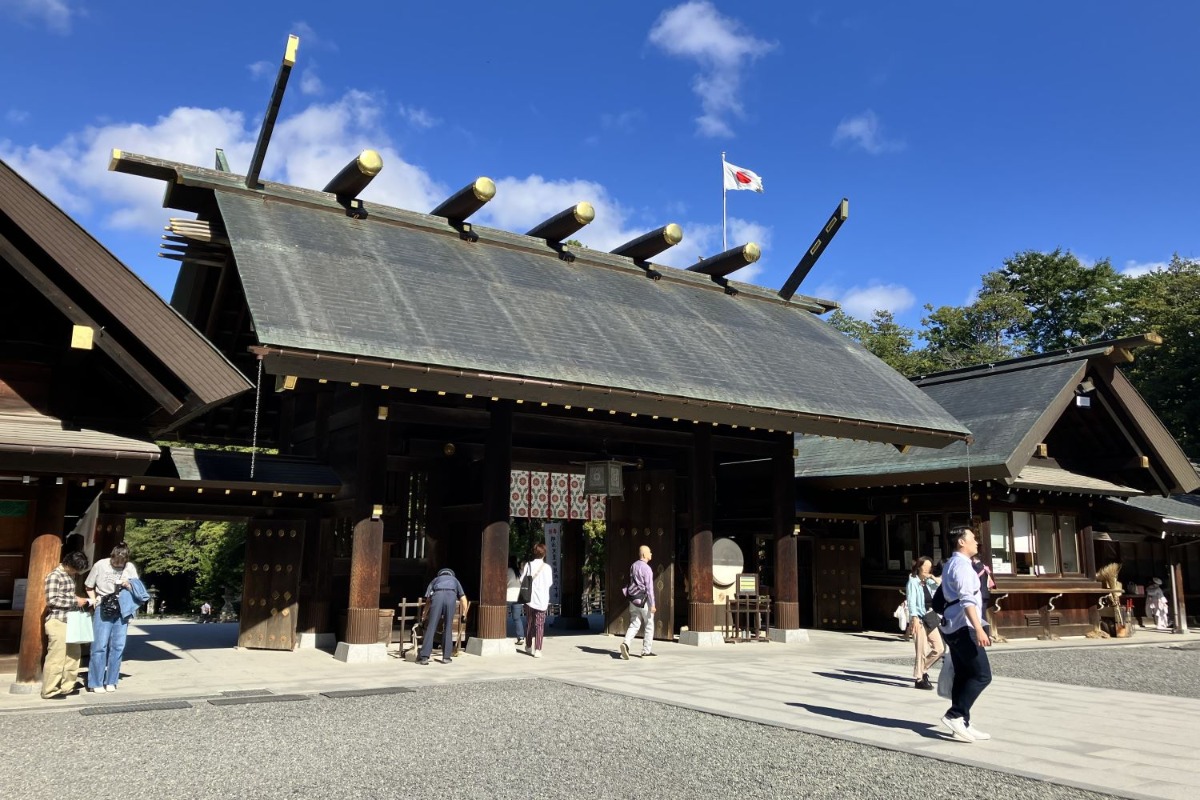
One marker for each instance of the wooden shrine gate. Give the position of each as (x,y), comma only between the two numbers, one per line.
(274,549)
(837,589)
(644,515)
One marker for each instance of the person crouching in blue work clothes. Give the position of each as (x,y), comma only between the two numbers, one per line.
(444,594)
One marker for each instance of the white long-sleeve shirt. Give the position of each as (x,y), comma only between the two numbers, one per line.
(543,579)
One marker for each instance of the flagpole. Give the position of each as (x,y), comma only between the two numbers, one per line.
(724,244)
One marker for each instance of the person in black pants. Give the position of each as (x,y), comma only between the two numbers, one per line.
(965,636)
(443,595)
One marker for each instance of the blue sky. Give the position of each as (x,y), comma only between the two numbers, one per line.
(961,133)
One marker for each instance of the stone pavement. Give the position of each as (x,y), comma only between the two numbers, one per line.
(1085,737)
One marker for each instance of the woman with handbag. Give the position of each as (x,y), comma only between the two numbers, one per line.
(925,621)
(536,577)
(108,578)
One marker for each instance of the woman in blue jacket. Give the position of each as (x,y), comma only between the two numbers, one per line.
(923,620)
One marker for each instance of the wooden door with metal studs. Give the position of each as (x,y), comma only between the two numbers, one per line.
(274,549)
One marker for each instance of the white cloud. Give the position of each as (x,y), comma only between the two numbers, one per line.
(54,14)
(697,31)
(521,203)
(864,301)
(307,149)
(1134,269)
(16,116)
(623,122)
(310,82)
(419,117)
(310,39)
(865,131)
(261,69)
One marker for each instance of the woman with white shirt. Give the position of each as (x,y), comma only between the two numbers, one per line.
(108,577)
(539,599)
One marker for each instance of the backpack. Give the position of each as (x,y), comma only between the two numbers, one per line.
(939,601)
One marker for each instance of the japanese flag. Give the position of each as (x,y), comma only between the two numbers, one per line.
(738,178)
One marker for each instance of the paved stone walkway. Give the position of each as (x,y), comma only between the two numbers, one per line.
(1077,736)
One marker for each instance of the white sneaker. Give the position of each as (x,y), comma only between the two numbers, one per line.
(110,688)
(980,736)
(528,649)
(537,653)
(958,728)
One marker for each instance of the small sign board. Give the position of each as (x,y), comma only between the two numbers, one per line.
(18,603)
(747,584)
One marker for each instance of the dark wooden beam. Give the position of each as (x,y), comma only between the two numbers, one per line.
(493,564)
(268,125)
(77,316)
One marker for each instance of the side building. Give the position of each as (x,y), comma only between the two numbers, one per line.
(1058,439)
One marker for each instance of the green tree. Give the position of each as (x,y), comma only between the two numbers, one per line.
(884,338)
(209,555)
(1069,303)
(983,332)
(1167,302)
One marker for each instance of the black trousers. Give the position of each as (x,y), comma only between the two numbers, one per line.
(972,672)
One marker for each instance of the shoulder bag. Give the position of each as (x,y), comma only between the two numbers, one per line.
(526,593)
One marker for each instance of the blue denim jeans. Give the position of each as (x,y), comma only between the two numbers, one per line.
(108,645)
(517,611)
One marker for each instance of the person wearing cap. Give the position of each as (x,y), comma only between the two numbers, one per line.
(442,597)
(1156,605)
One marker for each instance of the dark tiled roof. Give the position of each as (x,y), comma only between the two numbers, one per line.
(38,442)
(1183,507)
(1003,409)
(216,467)
(404,287)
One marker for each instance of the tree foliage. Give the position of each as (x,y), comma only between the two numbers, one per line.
(210,555)
(1069,303)
(1038,302)
(1168,302)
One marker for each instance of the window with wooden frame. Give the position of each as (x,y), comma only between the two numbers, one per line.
(1034,543)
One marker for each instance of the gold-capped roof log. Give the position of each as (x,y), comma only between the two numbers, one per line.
(651,244)
(731,260)
(467,200)
(355,176)
(564,223)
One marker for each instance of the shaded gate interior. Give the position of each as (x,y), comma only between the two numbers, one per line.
(645,515)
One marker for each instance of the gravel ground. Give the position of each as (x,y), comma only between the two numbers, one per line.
(499,739)
(1172,670)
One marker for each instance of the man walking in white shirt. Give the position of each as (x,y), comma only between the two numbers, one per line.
(965,636)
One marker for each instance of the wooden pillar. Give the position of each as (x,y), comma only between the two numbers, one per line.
(493,556)
(43,557)
(1178,585)
(700,545)
(362,617)
(787,583)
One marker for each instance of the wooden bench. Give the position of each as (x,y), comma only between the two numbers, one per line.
(412,615)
